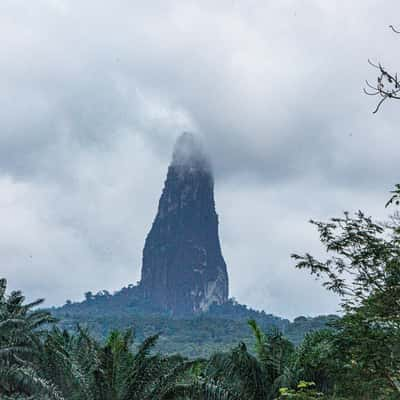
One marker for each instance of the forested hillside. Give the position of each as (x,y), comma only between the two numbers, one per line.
(222,327)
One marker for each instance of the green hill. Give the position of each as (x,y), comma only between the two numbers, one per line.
(220,328)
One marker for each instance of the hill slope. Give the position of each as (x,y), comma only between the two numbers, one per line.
(220,328)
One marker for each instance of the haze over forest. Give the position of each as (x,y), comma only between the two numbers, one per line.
(92,102)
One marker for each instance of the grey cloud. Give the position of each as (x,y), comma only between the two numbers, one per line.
(93,98)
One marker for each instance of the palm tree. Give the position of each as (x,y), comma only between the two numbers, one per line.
(89,370)
(237,374)
(277,357)
(36,363)
(21,331)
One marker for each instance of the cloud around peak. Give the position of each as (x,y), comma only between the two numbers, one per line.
(92,100)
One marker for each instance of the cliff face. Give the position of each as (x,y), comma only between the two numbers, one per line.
(183,268)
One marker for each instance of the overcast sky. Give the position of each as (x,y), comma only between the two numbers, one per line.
(94,93)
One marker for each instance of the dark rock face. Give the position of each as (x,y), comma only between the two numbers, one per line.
(183,268)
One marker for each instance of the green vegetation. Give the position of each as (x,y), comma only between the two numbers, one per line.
(221,328)
(364,269)
(356,357)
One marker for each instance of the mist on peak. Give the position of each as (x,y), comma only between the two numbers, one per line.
(189,152)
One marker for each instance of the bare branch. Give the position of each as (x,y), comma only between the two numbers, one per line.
(374,65)
(370,93)
(378,105)
(393,29)
(388,84)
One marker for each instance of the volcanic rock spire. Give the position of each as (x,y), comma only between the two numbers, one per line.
(183,268)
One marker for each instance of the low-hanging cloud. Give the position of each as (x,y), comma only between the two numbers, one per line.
(94,96)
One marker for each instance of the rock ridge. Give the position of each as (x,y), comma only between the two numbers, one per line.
(183,269)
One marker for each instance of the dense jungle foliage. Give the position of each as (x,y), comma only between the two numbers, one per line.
(357,357)
(218,329)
